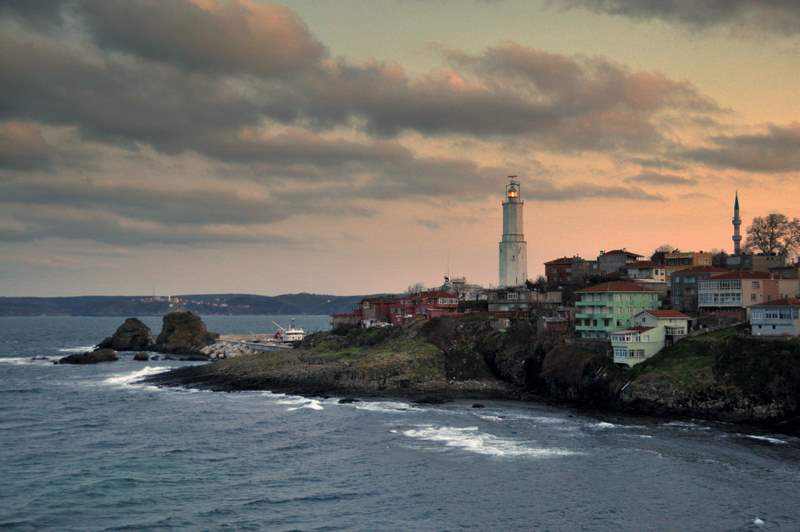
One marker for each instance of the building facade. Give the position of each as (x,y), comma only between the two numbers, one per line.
(568,270)
(616,260)
(513,248)
(608,307)
(776,318)
(735,292)
(682,260)
(653,330)
(646,270)
(684,286)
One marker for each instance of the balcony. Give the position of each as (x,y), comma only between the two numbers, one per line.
(592,303)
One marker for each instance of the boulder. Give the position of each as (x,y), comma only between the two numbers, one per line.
(142,357)
(184,333)
(132,335)
(347,400)
(91,357)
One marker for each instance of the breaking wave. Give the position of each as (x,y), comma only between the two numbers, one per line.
(134,377)
(470,439)
(79,349)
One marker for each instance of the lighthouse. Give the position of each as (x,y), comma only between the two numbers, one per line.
(513,248)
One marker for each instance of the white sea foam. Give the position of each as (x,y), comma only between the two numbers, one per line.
(470,439)
(686,425)
(776,441)
(491,418)
(389,407)
(79,349)
(19,361)
(311,404)
(133,377)
(603,425)
(296,403)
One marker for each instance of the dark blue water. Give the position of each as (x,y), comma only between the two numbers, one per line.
(87,448)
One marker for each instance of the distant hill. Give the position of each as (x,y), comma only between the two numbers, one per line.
(208,304)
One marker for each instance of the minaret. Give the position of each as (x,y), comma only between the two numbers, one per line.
(513,248)
(737,222)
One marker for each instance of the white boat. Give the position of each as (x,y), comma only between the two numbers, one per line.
(291,335)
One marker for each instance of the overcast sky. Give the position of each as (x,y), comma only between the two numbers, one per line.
(356,146)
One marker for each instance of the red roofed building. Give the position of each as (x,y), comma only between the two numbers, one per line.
(652,330)
(616,260)
(567,270)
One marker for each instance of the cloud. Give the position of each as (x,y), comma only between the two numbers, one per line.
(429,224)
(774,151)
(104,227)
(658,179)
(770,16)
(215,36)
(23,147)
(545,191)
(166,90)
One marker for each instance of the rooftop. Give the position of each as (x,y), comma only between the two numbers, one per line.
(621,252)
(562,260)
(702,269)
(742,275)
(639,329)
(615,286)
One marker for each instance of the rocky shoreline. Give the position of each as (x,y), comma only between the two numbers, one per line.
(724,376)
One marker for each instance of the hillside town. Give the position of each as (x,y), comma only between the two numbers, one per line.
(636,304)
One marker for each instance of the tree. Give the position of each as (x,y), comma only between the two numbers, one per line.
(774,234)
(415,288)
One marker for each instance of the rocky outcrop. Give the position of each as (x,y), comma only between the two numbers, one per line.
(142,356)
(184,333)
(365,362)
(91,357)
(132,335)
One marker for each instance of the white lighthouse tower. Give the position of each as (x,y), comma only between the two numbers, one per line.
(513,248)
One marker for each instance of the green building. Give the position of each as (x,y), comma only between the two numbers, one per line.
(608,307)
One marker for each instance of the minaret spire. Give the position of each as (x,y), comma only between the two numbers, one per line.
(737,222)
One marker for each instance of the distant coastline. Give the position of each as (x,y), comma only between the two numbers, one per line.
(204,304)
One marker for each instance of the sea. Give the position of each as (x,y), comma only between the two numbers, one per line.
(93,448)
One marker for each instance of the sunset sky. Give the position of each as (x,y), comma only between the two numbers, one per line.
(359,146)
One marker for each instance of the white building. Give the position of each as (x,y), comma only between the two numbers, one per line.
(776,318)
(653,331)
(513,248)
(646,270)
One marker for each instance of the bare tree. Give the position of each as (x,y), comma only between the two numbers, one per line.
(774,234)
(415,288)
(665,248)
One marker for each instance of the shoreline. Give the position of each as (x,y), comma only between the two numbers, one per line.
(198,377)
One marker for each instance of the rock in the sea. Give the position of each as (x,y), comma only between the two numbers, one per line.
(142,357)
(132,335)
(184,333)
(477,405)
(91,357)
(348,400)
